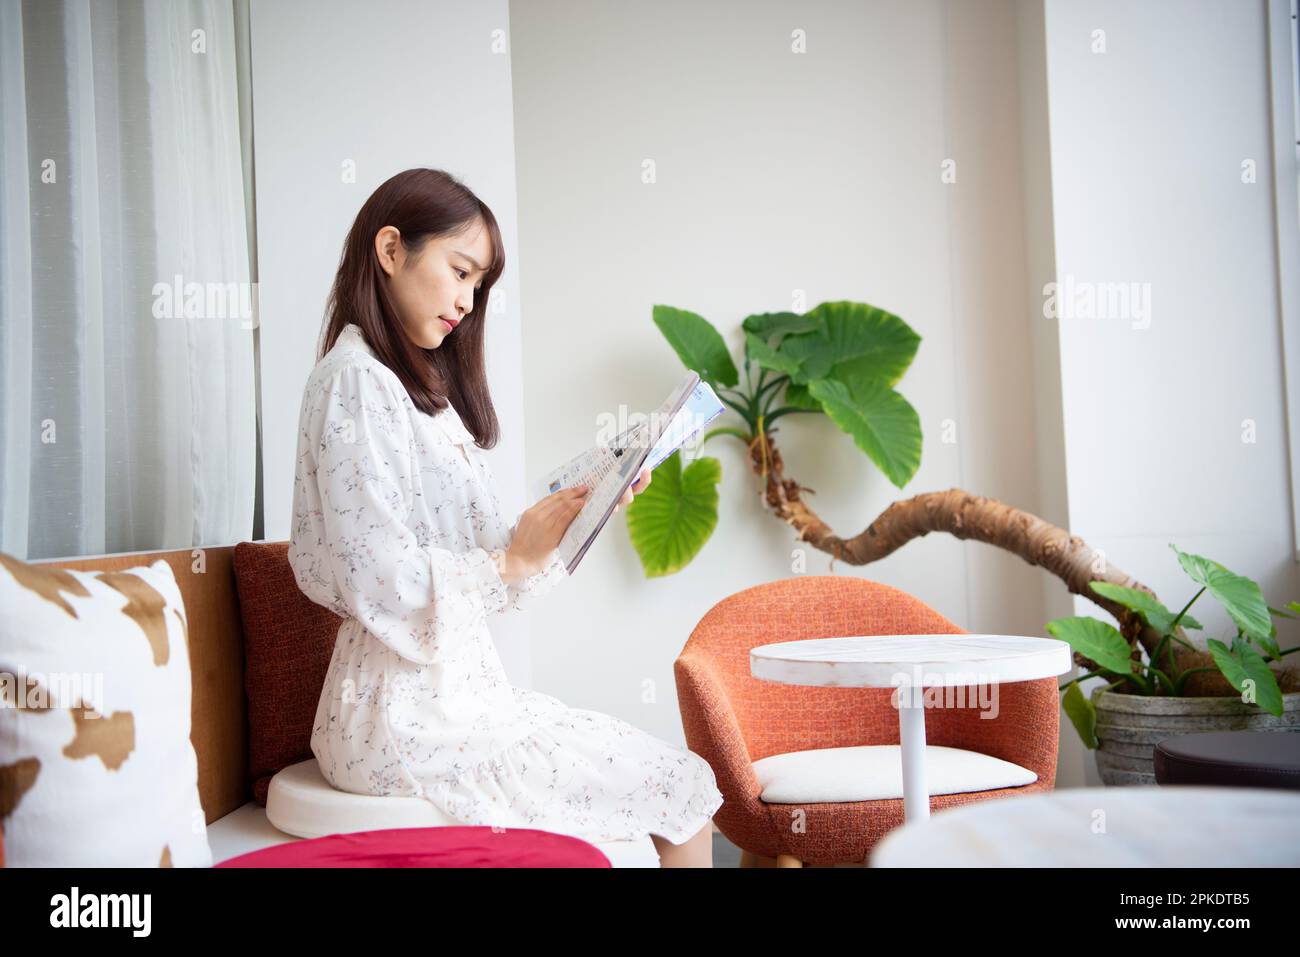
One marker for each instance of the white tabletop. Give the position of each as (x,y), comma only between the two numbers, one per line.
(886,661)
(1148,826)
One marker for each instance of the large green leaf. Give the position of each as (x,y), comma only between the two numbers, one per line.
(1149,606)
(1082,714)
(767,324)
(1238,595)
(843,340)
(1242,663)
(797,396)
(882,423)
(769,358)
(812,352)
(672,519)
(866,341)
(1269,646)
(699,345)
(1096,641)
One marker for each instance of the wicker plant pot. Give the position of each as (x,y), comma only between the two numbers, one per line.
(1129,726)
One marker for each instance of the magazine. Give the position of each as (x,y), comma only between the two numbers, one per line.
(610,469)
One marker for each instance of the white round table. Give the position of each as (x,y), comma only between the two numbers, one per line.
(1147,826)
(910,663)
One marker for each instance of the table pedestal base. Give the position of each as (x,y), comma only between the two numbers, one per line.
(911,737)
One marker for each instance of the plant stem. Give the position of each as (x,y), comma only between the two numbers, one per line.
(771,396)
(787,410)
(1141,680)
(1182,679)
(1091,674)
(727,430)
(1162,676)
(1179,617)
(1164,640)
(744,412)
(773,385)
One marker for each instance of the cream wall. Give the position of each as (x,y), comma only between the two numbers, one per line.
(776,172)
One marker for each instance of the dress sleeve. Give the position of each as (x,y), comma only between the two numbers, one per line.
(523,592)
(351,549)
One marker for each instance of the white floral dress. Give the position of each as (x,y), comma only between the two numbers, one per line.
(396,524)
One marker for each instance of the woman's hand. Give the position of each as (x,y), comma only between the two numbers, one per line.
(636,488)
(539,531)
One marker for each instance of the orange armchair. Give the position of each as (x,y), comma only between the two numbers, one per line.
(732,719)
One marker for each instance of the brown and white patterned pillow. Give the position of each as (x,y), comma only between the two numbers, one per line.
(96,764)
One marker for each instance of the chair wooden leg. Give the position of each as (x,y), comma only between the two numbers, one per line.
(750,859)
(788,860)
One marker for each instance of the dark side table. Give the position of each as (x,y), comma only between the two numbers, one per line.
(1251,759)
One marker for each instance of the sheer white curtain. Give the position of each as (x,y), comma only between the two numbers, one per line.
(128,412)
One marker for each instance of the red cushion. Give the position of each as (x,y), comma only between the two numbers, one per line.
(430,847)
(288,641)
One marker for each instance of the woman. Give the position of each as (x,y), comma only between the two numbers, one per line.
(397,528)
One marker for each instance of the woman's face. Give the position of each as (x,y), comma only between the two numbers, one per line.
(435,289)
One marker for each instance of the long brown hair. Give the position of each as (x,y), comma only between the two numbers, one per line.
(422,204)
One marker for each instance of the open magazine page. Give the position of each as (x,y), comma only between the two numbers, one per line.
(702,407)
(610,468)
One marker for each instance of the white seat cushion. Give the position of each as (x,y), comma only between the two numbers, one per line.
(302,803)
(875,773)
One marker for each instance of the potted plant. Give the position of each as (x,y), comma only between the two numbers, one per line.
(1145,696)
(839,359)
